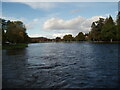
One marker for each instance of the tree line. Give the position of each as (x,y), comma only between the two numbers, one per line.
(105,29)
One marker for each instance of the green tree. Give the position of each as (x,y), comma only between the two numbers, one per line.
(96,27)
(14,32)
(92,32)
(68,37)
(3,27)
(109,30)
(58,39)
(118,26)
(80,37)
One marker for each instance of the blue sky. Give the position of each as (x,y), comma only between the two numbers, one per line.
(53,19)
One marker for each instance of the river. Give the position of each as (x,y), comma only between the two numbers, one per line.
(61,65)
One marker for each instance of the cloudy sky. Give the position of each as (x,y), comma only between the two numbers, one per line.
(52,19)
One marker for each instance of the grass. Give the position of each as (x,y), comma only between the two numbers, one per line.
(16,46)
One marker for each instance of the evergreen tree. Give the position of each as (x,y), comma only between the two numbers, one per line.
(96,27)
(108,30)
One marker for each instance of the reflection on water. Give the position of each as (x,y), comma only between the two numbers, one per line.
(62,65)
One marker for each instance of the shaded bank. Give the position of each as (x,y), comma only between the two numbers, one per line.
(15,46)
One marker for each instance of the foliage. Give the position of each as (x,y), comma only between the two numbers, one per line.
(108,30)
(68,38)
(40,39)
(95,34)
(80,37)
(58,39)
(14,32)
(118,26)
(105,30)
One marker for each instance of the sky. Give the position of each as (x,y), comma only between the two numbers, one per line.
(56,19)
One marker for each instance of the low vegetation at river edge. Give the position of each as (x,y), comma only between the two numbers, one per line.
(103,30)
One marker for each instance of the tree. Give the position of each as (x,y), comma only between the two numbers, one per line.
(91,33)
(58,39)
(96,27)
(68,37)
(3,27)
(80,37)
(86,36)
(14,32)
(118,26)
(109,30)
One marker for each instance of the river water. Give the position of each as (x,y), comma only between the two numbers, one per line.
(61,65)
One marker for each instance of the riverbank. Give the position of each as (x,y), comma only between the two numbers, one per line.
(78,42)
(14,46)
(21,45)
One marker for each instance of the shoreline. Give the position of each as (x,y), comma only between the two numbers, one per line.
(78,42)
(23,45)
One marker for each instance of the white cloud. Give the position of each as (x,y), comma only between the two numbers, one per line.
(76,24)
(116,12)
(13,18)
(31,24)
(42,5)
(51,36)
(42,35)
(59,24)
(59,34)
(35,4)
(36,35)
(107,15)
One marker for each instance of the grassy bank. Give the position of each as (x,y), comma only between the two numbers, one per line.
(14,46)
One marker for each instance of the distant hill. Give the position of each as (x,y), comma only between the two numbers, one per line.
(40,39)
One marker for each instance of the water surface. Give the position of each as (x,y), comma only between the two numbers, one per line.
(61,65)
